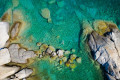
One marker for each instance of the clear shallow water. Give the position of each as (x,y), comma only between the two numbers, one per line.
(64,32)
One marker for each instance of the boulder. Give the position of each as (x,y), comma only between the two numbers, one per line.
(20,55)
(7,71)
(4,28)
(4,56)
(106,50)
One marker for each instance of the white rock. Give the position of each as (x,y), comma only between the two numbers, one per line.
(20,55)
(4,56)
(24,79)
(13,49)
(7,71)
(60,53)
(15,30)
(49,51)
(40,56)
(53,54)
(23,73)
(4,28)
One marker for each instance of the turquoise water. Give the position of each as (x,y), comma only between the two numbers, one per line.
(64,32)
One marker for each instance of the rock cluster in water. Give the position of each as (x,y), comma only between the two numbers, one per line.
(59,55)
(104,43)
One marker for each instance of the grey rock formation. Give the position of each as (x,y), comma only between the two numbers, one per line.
(20,55)
(106,50)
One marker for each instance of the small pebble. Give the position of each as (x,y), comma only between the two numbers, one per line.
(71,61)
(78,60)
(64,59)
(73,50)
(43,47)
(67,52)
(73,56)
(72,66)
(49,20)
(49,51)
(12,77)
(40,56)
(24,79)
(39,44)
(67,64)
(43,53)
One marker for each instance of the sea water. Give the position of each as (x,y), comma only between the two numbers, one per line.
(63,32)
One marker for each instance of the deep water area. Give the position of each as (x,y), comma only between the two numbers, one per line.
(63,31)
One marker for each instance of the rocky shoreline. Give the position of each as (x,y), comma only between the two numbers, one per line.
(13,53)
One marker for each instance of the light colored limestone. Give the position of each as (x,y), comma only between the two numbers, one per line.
(20,55)
(4,56)
(4,28)
(23,73)
(7,71)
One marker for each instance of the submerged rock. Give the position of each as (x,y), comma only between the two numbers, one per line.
(45,13)
(73,56)
(4,56)
(7,71)
(78,60)
(64,59)
(106,50)
(15,29)
(67,52)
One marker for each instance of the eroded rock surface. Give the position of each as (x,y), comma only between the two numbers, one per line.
(106,50)
(20,55)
